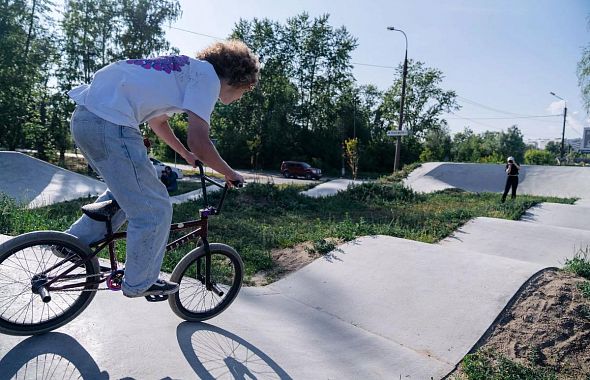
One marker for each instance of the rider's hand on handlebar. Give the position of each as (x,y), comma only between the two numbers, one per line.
(233,178)
(191,158)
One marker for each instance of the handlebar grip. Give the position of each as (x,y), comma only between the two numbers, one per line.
(237,184)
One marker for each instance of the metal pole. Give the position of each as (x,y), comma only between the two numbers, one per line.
(563,131)
(398,142)
(562,150)
(354,118)
(402,101)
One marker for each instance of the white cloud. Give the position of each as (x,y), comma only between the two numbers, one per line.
(556,107)
(576,127)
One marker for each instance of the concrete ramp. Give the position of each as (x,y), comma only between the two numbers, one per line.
(560,215)
(38,183)
(559,181)
(376,308)
(330,188)
(531,242)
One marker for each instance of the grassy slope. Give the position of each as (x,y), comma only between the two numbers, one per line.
(261,217)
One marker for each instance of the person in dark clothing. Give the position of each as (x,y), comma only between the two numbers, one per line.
(512,168)
(168,178)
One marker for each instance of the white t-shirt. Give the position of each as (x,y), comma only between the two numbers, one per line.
(134,91)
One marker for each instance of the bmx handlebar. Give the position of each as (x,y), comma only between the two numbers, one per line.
(225,187)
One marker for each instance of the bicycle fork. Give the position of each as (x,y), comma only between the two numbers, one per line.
(209,284)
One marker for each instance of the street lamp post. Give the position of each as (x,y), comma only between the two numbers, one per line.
(562,151)
(401,110)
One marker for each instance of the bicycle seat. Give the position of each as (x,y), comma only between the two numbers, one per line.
(101,211)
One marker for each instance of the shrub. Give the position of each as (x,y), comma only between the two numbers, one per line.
(538,157)
(375,191)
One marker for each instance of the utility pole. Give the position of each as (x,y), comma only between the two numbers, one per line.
(398,142)
(562,150)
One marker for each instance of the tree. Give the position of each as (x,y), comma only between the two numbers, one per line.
(425,101)
(437,145)
(304,87)
(351,147)
(512,143)
(466,146)
(554,148)
(26,51)
(583,71)
(142,22)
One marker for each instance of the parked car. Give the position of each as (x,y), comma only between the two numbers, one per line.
(159,166)
(299,169)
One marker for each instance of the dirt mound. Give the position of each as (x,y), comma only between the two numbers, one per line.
(548,326)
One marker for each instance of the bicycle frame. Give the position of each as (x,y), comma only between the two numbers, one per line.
(199,231)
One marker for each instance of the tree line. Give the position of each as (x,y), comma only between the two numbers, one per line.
(307,106)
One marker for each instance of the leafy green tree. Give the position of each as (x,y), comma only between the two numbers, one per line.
(554,148)
(437,145)
(425,103)
(26,50)
(142,22)
(583,71)
(88,39)
(304,88)
(490,147)
(351,147)
(466,146)
(512,143)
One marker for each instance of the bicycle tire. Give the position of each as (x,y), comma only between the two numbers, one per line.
(29,254)
(227,272)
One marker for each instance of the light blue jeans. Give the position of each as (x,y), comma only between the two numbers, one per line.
(118,154)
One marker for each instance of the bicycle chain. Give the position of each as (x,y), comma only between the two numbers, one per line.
(84,290)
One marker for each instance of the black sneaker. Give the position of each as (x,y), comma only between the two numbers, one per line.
(159,288)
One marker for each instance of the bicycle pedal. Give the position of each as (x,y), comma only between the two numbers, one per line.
(156,298)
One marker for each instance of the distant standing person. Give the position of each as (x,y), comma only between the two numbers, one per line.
(512,168)
(168,178)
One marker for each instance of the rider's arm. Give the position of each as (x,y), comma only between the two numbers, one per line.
(162,129)
(199,143)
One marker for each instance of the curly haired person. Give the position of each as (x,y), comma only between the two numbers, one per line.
(105,127)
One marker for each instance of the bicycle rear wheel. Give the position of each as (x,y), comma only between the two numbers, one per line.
(30,260)
(193,302)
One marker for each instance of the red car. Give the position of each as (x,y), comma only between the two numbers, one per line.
(299,169)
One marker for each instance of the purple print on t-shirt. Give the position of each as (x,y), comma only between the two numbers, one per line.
(166,64)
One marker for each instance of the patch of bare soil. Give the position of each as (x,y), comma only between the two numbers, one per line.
(287,260)
(548,325)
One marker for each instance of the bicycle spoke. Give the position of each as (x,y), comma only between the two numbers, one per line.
(35,264)
(193,301)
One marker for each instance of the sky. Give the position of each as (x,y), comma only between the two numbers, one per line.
(501,57)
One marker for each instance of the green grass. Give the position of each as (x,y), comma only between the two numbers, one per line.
(185,187)
(579,264)
(488,365)
(261,217)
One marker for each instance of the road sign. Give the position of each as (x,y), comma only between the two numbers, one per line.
(397,132)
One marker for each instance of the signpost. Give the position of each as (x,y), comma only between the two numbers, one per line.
(397,132)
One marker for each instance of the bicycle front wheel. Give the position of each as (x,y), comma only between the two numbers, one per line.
(30,261)
(194,302)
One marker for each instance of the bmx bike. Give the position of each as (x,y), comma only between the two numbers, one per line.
(47,278)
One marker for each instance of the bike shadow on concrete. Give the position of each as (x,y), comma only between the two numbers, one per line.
(50,356)
(214,353)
